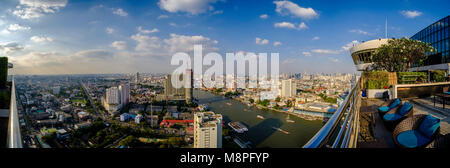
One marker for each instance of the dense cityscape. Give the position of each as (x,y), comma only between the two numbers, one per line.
(130,110)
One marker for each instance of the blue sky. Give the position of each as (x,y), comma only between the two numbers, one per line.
(126,36)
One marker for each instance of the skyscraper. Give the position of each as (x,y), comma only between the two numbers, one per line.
(288,88)
(189,85)
(138,78)
(171,92)
(124,90)
(112,100)
(207,130)
(113,95)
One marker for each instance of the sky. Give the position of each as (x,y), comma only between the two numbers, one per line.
(128,36)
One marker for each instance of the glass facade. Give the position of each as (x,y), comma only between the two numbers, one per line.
(437,34)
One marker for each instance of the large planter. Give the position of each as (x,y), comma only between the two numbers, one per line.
(376,93)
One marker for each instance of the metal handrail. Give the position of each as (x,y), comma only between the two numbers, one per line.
(322,137)
(14,137)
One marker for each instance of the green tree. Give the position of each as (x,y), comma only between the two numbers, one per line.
(3,72)
(129,141)
(278,99)
(399,54)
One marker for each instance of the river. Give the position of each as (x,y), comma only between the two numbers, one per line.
(261,134)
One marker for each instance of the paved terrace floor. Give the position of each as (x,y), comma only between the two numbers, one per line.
(373,133)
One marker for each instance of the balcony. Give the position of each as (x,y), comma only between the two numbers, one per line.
(10,135)
(357,124)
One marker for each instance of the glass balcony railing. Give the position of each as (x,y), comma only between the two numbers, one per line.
(14,138)
(341,130)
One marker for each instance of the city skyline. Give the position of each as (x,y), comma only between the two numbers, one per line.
(126,37)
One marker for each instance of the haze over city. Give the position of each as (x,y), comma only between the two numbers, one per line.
(91,37)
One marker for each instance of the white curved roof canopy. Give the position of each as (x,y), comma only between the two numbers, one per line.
(372,44)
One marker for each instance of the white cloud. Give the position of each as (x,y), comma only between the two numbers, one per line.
(109,30)
(94,54)
(173,24)
(39,59)
(350,45)
(146,43)
(193,7)
(316,38)
(285,25)
(17,27)
(182,43)
(276,43)
(359,31)
(325,51)
(334,59)
(153,46)
(10,47)
(217,12)
(163,17)
(302,26)
(38,39)
(290,8)
(308,54)
(147,31)
(411,14)
(261,41)
(29,9)
(120,12)
(5,32)
(289,25)
(119,45)
(264,16)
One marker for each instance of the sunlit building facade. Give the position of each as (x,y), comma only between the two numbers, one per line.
(437,35)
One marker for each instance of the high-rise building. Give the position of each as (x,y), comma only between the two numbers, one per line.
(207,130)
(124,90)
(288,88)
(113,95)
(189,85)
(112,100)
(137,78)
(171,92)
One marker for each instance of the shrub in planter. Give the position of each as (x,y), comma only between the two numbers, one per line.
(438,76)
(410,77)
(376,80)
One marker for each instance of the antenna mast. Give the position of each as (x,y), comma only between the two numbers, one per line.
(386,29)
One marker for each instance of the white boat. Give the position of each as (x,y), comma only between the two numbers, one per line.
(281,130)
(260,117)
(289,120)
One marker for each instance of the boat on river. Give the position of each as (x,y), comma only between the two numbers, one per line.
(260,117)
(281,130)
(238,127)
(289,120)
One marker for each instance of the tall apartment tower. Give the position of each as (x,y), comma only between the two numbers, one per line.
(171,92)
(288,88)
(138,78)
(207,130)
(113,95)
(124,90)
(189,85)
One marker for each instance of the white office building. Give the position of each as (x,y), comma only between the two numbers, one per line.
(288,88)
